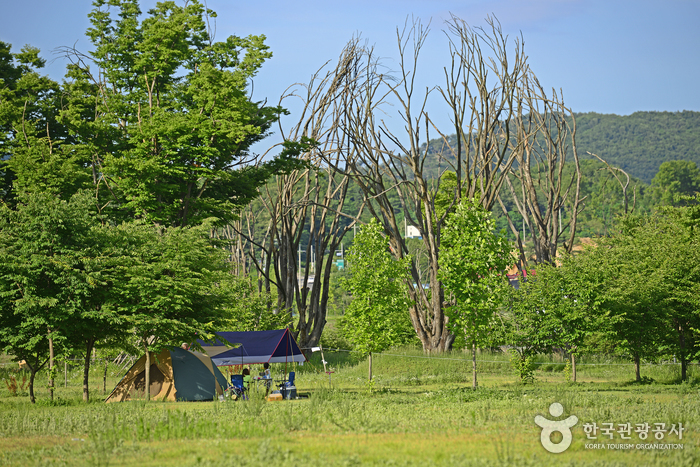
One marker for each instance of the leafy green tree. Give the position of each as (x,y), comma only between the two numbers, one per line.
(671,244)
(172,123)
(89,284)
(377,317)
(48,278)
(170,285)
(647,281)
(630,297)
(675,179)
(524,327)
(472,263)
(35,146)
(570,292)
(21,88)
(161,127)
(556,307)
(23,337)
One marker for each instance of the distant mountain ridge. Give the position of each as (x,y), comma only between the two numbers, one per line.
(640,142)
(637,143)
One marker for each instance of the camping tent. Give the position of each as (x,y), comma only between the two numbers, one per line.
(277,346)
(176,374)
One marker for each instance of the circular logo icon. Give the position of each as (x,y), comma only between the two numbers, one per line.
(552,426)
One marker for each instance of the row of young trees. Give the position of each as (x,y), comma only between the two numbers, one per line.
(472,264)
(634,293)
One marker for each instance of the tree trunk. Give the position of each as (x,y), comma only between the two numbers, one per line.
(637,363)
(474,384)
(147,382)
(682,352)
(86,372)
(32,399)
(51,366)
(104,379)
(684,369)
(369,360)
(573,368)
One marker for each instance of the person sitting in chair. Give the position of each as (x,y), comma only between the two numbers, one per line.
(246,378)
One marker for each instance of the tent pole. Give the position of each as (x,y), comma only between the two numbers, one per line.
(286,353)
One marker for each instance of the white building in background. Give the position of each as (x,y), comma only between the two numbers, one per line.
(412,232)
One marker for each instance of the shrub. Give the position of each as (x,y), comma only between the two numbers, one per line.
(13,385)
(524,365)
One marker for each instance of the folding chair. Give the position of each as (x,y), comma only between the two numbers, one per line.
(283,383)
(237,387)
(287,388)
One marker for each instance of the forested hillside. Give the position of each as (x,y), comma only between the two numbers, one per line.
(637,143)
(640,142)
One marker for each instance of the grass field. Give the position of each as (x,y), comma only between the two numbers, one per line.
(420,411)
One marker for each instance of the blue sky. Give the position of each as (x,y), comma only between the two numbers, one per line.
(607,56)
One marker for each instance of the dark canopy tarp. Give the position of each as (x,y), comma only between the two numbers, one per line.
(277,346)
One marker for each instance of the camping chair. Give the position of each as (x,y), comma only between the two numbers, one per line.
(287,388)
(284,383)
(237,387)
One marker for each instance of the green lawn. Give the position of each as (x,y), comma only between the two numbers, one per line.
(420,411)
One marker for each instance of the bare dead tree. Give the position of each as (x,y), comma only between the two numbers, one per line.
(482,94)
(395,169)
(305,207)
(245,239)
(615,171)
(544,189)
